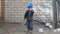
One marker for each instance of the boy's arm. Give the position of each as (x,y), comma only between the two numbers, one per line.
(35,14)
(25,15)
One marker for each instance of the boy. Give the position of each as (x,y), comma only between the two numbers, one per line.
(29,16)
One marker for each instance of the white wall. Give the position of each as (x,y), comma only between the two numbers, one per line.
(44,10)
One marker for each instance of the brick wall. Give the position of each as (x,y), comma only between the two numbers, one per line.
(15,10)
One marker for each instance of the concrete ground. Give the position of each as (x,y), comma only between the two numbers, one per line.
(17,28)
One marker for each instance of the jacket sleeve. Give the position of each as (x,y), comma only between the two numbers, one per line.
(33,12)
(25,15)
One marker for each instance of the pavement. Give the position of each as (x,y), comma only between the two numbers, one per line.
(17,28)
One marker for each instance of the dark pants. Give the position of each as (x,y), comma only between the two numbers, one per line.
(29,24)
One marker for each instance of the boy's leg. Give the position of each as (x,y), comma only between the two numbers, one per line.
(30,31)
(30,26)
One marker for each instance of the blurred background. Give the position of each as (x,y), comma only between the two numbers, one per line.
(12,13)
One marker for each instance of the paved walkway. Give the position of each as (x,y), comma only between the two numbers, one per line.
(21,29)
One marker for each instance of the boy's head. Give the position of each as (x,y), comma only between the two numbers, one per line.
(30,6)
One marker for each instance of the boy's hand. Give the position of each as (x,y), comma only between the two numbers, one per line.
(35,14)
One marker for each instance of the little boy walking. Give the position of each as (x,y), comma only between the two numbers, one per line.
(29,16)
